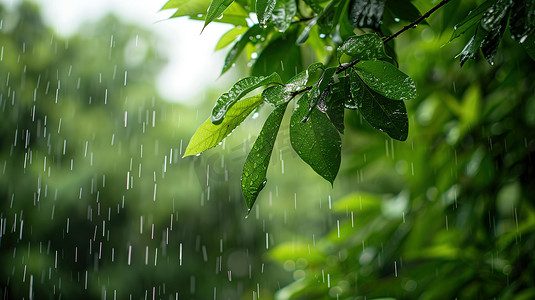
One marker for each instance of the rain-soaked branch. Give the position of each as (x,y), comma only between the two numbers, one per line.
(348,65)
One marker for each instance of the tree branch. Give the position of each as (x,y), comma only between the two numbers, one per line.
(417,21)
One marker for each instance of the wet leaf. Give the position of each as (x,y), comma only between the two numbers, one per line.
(363,47)
(255,168)
(209,135)
(279,94)
(239,90)
(313,4)
(380,112)
(283,14)
(216,9)
(404,10)
(264,8)
(470,50)
(473,18)
(238,47)
(529,45)
(493,16)
(281,56)
(366,13)
(522,21)
(230,36)
(489,45)
(316,141)
(320,91)
(335,105)
(386,80)
(324,20)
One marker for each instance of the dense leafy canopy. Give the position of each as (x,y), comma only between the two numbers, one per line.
(359,71)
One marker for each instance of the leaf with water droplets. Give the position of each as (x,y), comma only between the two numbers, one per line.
(209,135)
(366,13)
(196,10)
(239,90)
(403,10)
(238,47)
(264,8)
(279,94)
(216,9)
(522,21)
(324,20)
(489,45)
(473,18)
(386,80)
(469,51)
(363,47)
(255,168)
(283,14)
(335,104)
(380,112)
(316,141)
(493,16)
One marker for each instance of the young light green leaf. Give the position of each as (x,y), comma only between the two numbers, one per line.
(216,8)
(209,135)
(472,19)
(230,36)
(366,13)
(381,113)
(386,80)
(363,47)
(238,90)
(264,8)
(255,168)
(316,140)
(238,47)
(283,14)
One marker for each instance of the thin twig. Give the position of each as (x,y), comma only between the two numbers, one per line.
(348,65)
(417,21)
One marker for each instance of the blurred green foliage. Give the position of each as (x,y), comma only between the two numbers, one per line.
(95,201)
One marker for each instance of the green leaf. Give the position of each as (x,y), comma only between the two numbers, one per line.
(313,4)
(283,14)
(216,9)
(238,47)
(279,94)
(335,104)
(404,10)
(471,20)
(316,140)
(281,56)
(366,13)
(230,36)
(320,91)
(522,21)
(386,80)
(209,135)
(380,112)
(196,10)
(489,45)
(363,47)
(238,90)
(264,8)
(529,45)
(255,168)
(470,50)
(492,18)
(324,19)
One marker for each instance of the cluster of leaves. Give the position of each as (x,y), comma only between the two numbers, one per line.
(362,77)
(487,24)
